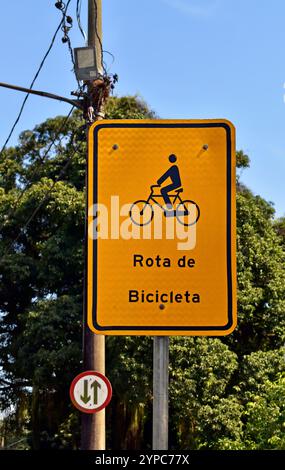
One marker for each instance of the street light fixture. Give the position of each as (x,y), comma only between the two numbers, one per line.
(85,63)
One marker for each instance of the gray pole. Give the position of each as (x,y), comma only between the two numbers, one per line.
(93,434)
(160,392)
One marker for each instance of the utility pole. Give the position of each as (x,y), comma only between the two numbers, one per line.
(93,425)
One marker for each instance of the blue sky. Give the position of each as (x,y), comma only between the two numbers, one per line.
(186,58)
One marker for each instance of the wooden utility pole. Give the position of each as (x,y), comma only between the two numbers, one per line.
(93,425)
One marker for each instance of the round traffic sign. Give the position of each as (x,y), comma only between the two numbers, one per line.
(90,391)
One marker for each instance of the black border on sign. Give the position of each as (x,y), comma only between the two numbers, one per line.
(229,324)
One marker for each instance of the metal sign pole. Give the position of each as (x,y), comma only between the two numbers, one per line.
(160,392)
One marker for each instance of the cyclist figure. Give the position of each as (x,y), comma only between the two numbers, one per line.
(173,174)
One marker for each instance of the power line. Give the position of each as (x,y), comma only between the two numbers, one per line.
(67,38)
(35,171)
(36,210)
(35,78)
(66,27)
(112,57)
(99,38)
(78,16)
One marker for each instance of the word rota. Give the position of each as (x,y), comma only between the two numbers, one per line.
(158,261)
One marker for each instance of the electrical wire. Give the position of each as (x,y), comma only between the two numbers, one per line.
(39,206)
(34,79)
(99,39)
(35,171)
(78,16)
(72,60)
(66,27)
(112,56)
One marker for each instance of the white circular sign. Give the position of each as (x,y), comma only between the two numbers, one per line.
(90,391)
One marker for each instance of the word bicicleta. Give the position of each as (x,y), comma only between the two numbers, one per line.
(163,297)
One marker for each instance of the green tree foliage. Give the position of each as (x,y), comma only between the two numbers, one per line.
(280,228)
(225,393)
(269,408)
(261,277)
(242,160)
(201,370)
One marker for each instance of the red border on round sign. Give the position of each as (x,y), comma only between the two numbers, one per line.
(95,374)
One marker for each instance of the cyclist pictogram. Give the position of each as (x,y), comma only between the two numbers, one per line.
(168,199)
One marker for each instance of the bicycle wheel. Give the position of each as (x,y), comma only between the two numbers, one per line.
(141,213)
(188,213)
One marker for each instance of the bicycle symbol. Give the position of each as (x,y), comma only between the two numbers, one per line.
(187,212)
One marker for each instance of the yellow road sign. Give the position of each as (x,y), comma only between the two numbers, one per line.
(161,227)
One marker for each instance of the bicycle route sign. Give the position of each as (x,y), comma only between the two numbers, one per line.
(90,391)
(161,256)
